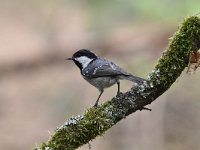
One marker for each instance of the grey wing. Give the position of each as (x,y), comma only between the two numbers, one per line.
(108,69)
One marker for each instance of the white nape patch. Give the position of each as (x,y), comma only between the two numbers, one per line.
(83,60)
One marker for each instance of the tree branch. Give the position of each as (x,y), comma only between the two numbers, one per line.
(95,121)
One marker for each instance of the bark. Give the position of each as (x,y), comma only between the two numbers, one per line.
(81,129)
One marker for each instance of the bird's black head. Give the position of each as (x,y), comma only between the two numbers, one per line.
(84,52)
(83,57)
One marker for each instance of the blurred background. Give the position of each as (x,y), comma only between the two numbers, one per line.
(39,89)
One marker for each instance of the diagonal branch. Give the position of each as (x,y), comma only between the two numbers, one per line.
(81,129)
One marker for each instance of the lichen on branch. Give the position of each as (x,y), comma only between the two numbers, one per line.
(95,121)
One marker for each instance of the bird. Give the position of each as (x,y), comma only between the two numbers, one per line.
(100,72)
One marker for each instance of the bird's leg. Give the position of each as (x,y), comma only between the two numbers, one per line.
(118,88)
(96,103)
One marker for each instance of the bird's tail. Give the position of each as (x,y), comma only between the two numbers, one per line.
(135,79)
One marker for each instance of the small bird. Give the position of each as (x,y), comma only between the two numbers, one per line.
(100,72)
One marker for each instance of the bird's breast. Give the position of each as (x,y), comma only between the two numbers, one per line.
(102,82)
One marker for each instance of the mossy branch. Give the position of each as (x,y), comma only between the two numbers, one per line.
(95,121)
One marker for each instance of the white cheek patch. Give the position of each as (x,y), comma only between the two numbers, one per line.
(84,60)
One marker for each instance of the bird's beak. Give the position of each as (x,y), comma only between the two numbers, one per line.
(69,59)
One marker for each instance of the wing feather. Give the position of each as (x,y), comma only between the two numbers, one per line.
(106,70)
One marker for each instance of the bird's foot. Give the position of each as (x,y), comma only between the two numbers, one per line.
(118,94)
(95,105)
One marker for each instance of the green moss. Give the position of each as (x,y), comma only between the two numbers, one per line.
(80,130)
(77,133)
(175,57)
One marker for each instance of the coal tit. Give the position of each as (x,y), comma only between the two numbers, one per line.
(101,72)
